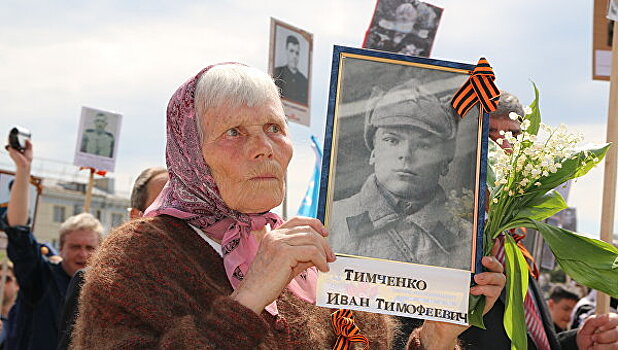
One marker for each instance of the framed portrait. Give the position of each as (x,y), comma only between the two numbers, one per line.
(6,184)
(602,36)
(291,51)
(97,139)
(403,182)
(407,27)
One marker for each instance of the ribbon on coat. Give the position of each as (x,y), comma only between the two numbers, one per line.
(479,88)
(347,332)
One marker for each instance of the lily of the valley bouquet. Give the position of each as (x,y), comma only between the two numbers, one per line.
(522,186)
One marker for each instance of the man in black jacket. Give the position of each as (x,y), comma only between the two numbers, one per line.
(33,321)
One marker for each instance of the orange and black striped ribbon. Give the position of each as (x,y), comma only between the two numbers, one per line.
(345,329)
(479,87)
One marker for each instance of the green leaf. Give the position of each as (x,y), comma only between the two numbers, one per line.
(588,155)
(591,262)
(574,166)
(516,289)
(535,115)
(476,306)
(540,208)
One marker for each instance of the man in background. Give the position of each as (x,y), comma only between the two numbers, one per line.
(11,288)
(147,187)
(293,84)
(561,303)
(33,321)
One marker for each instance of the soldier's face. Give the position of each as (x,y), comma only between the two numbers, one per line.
(100,123)
(293,52)
(407,161)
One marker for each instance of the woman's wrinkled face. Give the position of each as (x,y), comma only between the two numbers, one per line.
(248,151)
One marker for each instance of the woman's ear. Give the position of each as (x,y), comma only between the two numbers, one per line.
(134,213)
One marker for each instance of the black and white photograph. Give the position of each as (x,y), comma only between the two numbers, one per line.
(290,66)
(97,140)
(407,27)
(612,11)
(404,171)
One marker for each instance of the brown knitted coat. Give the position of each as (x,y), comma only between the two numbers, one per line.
(155,284)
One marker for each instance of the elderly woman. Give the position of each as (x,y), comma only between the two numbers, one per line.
(212,268)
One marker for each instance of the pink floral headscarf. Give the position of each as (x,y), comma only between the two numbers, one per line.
(191,194)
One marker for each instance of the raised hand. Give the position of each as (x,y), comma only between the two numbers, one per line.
(17,210)
(22,160)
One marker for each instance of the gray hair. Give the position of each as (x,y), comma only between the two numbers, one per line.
(232,86)
(83,221)
(139,195)
(508,103)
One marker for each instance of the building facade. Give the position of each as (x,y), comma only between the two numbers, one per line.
(62,199)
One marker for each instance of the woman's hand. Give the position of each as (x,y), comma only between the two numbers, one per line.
(293,247)
(441,335)
(491,283)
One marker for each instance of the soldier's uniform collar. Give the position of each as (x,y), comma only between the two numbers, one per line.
(383,208)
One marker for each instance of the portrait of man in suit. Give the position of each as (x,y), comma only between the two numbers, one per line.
(292,82)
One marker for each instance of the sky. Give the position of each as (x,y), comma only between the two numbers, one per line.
(130,56)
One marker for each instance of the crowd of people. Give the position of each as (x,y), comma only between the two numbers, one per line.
(204,263)
(41,288)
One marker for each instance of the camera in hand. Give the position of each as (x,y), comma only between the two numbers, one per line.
(18,137)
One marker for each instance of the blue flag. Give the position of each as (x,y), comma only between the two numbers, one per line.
(309,205)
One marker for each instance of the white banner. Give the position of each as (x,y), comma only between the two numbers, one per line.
(396,288)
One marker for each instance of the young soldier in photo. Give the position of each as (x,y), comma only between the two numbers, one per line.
(98,141)
(288,78)
(400,212)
